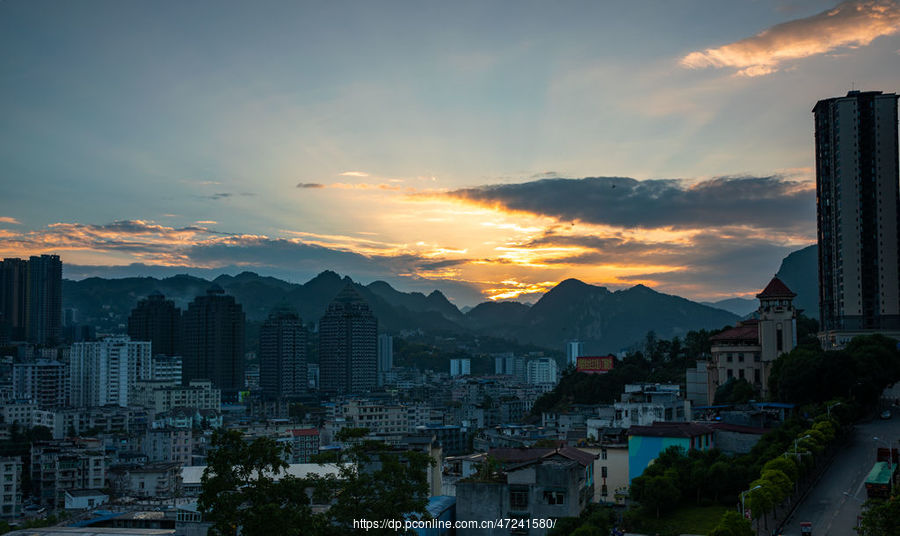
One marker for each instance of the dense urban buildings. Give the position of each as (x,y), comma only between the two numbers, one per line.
(348,339)
(214,341)
(857,205)
(282,355)
(43,301)
(157,320)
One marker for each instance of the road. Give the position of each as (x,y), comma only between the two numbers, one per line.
(835,501)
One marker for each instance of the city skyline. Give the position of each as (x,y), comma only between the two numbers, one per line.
(457,147)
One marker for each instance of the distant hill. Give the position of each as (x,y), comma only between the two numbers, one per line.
(606,321)
(739,306)
(800,272)
(611,321)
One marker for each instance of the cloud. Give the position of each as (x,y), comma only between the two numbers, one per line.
(763,202)
(224,195)
(145,243)
(9,219)
(354,174)
(206,222)
(849,25)
(310,185)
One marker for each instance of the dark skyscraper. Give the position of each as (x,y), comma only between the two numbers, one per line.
(282,355)
(13,290)
(857,204)
(214,341)
(157,320)
(348,345)
(43,301)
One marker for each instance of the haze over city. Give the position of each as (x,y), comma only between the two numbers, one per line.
(461,146)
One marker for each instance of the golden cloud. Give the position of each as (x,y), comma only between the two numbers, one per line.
(851,24)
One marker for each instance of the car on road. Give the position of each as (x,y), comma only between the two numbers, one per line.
(886,414)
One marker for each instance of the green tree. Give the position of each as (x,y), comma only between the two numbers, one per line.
(242,491)
(376,482)
(732,524)
(656,493)
(881,518)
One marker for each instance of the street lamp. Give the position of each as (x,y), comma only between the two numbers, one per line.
(743,494)
(829,406)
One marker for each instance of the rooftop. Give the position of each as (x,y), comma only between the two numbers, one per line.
(776,289)
(670,429)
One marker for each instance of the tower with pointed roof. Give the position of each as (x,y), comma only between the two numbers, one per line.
(348,345)
(214,341)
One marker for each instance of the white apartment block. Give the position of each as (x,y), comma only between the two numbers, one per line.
(160,396)
(542,371)
(105,372)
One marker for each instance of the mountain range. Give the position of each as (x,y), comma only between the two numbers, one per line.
(606,321)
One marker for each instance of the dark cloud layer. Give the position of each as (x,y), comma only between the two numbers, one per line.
(763,202)
(310,185)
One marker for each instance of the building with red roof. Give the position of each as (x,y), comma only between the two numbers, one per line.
(747,351)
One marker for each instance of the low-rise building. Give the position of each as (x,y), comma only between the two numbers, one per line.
(11,480)
(645,404)
(163,395)
(84,499)
(59,466)
(558,483)
(303,442)
(153,480)
(168,445)
(645,443)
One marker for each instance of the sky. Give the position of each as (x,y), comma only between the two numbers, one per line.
(487,149)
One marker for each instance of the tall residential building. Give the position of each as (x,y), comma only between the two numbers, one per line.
(348,340)
(157,320)
(857,204)
(13,289)
(574,350)
(214,341)
(282,355)
(385,356)
(42,381)
(106,372)
(542,371)
(460,367)
(43,300)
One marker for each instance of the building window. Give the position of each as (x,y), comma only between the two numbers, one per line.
(604,491)
(728,358)
(518,497)
(756,376)
(555,497)
(730,374)
(603,454)
(741,373)
(603,471)
(741,358)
